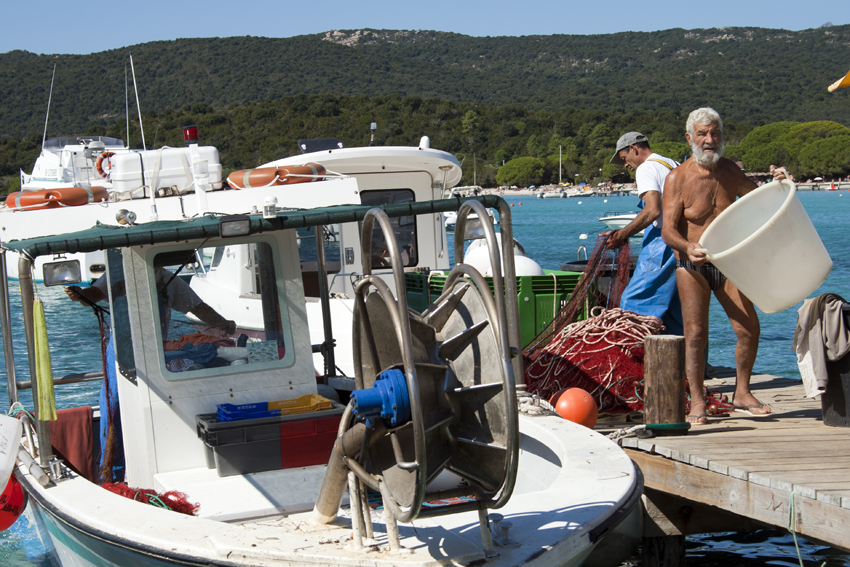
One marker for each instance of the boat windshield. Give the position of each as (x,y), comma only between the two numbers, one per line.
(212,315)
(62,141)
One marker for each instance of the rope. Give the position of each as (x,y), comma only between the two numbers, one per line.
(602,355)
(17,408)
(792,527)
(626,432)
(555,302)
(534,405)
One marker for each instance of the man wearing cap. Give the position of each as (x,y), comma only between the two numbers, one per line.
(652,289)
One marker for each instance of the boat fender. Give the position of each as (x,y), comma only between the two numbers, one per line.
(10,440)
(269,176)
(13,500)
(99,164)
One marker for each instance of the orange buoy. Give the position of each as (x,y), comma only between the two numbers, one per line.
(268,176)
(55,198)
(576,405)
(13,500)
(99,164)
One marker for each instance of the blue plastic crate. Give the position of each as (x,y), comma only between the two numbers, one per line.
(233,415)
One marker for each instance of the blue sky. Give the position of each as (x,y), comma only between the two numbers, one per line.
(52,27)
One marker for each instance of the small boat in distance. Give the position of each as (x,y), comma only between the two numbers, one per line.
(618,220)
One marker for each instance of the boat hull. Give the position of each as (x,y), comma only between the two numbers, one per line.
(580,505)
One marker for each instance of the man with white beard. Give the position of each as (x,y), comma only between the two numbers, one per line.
(694,194)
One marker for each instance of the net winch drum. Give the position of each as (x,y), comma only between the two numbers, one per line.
(767,246)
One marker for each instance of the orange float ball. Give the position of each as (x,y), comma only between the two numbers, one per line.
(12,503)
(576,405)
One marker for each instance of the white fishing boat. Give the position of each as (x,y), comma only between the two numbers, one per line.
(618,220)
(471,472)
(78,182)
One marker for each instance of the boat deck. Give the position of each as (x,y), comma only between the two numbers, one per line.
(761,468)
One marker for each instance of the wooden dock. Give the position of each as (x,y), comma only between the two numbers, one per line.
(743,472)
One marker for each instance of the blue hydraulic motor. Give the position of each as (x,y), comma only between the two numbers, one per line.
(387,398)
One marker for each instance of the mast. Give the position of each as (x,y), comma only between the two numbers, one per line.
(127,105)
(49,98)
(138,106)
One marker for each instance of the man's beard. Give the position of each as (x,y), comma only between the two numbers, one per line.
(705,159)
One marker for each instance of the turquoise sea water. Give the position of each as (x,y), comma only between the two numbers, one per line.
(550,231)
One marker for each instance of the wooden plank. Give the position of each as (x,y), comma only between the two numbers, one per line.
(667,515)
(814,489)
(815,519)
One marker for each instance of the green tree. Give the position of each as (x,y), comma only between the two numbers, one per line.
(826,157)
(678,151)
(760,158)
(522,172)
(764,135)
(470,125)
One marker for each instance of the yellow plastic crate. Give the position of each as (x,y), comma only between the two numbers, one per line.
(303,404)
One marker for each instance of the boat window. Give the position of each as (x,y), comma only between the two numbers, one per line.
(403,227)
(231,315)
(307,245)
(120,315)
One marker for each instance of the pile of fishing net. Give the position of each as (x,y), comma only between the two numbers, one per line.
(171,500)
(604,353)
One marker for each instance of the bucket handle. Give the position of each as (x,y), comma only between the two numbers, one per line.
(708,255)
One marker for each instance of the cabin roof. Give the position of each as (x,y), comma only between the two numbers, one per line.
(102,236)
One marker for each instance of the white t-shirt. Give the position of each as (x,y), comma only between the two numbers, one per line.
(650,176)
(178,294)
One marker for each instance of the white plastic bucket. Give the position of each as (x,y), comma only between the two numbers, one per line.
(767,246)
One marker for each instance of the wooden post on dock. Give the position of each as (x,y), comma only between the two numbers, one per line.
(663,402)
(664,381)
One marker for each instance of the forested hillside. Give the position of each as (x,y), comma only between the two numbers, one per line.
(750,75)
(562,100)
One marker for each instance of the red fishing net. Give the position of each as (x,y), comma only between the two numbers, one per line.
(171,500)
(603,354)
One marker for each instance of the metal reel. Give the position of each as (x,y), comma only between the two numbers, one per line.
(457,367)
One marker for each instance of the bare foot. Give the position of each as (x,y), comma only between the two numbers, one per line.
(748,403)
(697,414)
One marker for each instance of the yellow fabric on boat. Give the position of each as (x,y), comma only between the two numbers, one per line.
(43,371)
(842,82)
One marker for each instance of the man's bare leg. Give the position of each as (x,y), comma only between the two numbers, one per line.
(695,295)
(745,324)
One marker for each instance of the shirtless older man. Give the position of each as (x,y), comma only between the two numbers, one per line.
(694,194)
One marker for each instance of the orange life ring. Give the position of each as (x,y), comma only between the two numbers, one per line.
(269,176)
(99,164)
(55,198)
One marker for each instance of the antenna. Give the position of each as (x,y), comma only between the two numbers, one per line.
(138,106)
(49,98)
(127,106)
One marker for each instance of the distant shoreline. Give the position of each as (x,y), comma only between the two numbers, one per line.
(822,186)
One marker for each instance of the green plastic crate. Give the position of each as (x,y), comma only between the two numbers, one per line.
(538,299)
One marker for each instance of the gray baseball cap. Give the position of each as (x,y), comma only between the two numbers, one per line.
(625,141)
